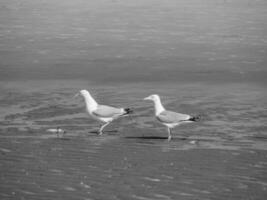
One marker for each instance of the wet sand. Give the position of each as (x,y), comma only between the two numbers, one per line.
(133,159)
(202,57)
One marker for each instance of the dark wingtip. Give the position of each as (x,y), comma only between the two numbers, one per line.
(128,111)
(195,118)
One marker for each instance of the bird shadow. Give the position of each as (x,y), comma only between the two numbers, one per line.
(153,137)
(146,137)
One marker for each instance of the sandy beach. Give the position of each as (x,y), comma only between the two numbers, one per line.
(202,57)
(133,159)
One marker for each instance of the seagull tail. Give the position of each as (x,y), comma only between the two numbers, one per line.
(128,111)
(194,118)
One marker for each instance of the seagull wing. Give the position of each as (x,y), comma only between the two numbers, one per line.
(107,111)
(172,117)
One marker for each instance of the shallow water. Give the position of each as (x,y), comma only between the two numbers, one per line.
(202,57)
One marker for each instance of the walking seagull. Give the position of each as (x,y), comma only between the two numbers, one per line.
(169,118)
(102,113)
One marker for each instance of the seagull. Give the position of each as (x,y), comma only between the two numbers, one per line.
(169,118)
(102,113)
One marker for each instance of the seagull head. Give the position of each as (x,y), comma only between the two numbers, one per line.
(82,93)
(153,97)
(89,100)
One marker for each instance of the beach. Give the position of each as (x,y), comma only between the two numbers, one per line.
(202,57)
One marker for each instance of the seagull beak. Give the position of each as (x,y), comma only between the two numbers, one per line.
(147,98)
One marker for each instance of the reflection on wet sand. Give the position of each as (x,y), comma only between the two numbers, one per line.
(222,156)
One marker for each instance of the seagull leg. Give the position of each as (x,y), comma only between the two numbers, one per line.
(169,134)
(102,127)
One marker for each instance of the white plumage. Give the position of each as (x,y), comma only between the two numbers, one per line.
(169,118)
(102,113)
